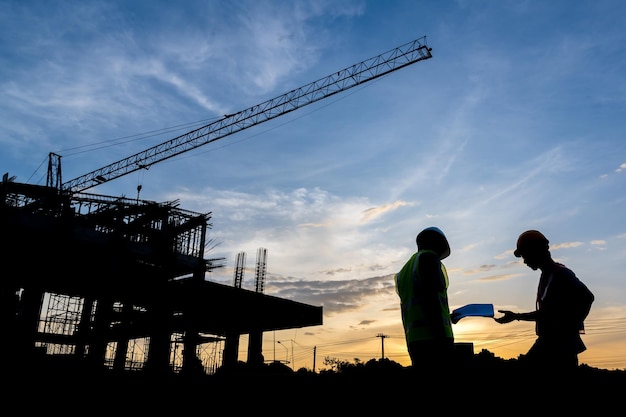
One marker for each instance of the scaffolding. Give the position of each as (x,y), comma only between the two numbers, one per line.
(110,283)
(261,269)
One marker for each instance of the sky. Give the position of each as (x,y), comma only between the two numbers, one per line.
(515,123)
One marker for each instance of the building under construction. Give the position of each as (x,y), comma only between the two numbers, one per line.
(120,284)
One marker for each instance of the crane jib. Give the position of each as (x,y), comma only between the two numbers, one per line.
(320,89)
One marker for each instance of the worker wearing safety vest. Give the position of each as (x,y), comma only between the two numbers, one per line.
(422,286)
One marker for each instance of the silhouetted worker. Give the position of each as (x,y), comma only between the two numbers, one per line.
(422,285)
(563,302)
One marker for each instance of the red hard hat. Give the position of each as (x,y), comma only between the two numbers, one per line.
(530,239)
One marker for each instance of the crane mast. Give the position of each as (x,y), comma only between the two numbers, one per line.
(339,81)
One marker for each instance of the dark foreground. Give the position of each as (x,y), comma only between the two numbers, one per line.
(495,387)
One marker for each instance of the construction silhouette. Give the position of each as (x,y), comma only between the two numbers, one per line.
(107,282)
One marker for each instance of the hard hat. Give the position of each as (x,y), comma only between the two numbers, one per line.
(530,239)
(433,238)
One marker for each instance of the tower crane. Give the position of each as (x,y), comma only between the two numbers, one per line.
(342,80)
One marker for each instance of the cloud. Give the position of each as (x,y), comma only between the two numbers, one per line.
(498,277)
(339,296)
(480,269)
(565,245)
(375,212)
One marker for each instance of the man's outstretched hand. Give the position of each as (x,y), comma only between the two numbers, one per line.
(508,317)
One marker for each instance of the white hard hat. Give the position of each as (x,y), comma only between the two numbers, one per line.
(434,238)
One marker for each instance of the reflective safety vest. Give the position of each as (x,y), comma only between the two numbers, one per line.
(417,326)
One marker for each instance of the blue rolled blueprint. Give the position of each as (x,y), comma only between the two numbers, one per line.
(480,310)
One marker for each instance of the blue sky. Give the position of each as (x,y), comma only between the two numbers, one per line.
(516,122)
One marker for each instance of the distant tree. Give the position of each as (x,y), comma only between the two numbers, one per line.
(383,364)
(346,367)
(335,364)
(277,367)
(340,366)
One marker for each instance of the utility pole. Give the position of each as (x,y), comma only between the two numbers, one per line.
(382,341)
(314,350)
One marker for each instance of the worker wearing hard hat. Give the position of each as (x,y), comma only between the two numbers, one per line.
(422,286)
(562,305)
